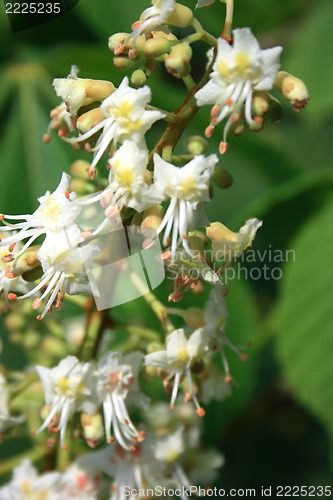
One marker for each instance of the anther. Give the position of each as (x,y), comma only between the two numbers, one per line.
(12,297)
(36,303)
(8,258)
(136,25)
(119,49)
(223,146)
(92,173)
(200,412)
(209,131)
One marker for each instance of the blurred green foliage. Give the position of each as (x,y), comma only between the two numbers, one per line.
(277,427)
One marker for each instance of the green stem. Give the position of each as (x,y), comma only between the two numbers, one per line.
(184,114)
(227,30)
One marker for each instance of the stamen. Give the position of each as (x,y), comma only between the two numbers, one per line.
(223,147)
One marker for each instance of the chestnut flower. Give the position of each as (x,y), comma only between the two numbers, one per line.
(237,72)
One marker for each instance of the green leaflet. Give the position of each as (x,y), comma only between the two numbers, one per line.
(304,320)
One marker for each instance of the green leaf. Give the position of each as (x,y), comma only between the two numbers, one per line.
(309,59)
(304,320)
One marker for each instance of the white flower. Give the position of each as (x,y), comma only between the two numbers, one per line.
(178,358)
(133,469)
(228,245)
(152,18)
(68,387)
(170,448)
(127,187)
(117,382)
(27,485)
(80,483)
(186,187)
(65,265)
(237,72)
(125,118)
(6,421)
(56,211)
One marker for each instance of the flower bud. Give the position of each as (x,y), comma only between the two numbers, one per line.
(181,16)
(89,119)
(138,78)
(217,231)
(293,89)
(223,179)
(260,103)
(81,187)
(79,92)
(155,47)
(257,124)
(196,145)
(148,178)
(93,430)
(123,63)
(177,62)
(14,321)
(79,169)
(27,261)
(116,39)
(194,317)
(152,217)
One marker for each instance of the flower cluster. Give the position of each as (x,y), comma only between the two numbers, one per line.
(73,386)
(154,191)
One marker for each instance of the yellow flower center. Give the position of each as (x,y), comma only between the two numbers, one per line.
(125,177)
(182,355)
(63,386)
(50,209)
(240,69)
(124,110)
(188,187)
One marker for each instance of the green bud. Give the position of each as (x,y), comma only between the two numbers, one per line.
(93,428)
(196,145)
(181,16)
(152,217)
(123,63)
(177,62)
(260,103)
(27,261)
(116,39)
(223,179)
(155,47)
(14,321)
(89,119)
(194,317)
(138,78)
(79,169)
(81,187)
(257,125)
